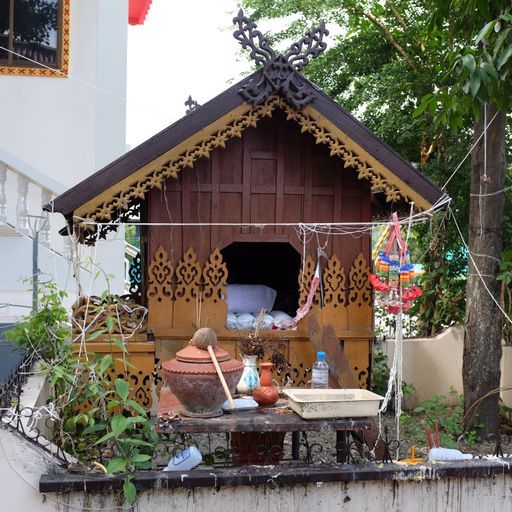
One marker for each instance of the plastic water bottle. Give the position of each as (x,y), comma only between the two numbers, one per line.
(320,377)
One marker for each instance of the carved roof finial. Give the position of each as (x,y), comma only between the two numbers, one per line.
(191,104)
(280,72)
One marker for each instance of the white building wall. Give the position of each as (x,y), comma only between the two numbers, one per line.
(58,131)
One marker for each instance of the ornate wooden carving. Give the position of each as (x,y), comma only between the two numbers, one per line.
(215,275)
(334,283)
(155,176)
(360,295)
(140,372)
(160,276)
(359,287)
(188,290)
(334,297)
(305,277)
(280,72)
(341,149)
(188,275)
(358,354)
(159,290)
(135,275)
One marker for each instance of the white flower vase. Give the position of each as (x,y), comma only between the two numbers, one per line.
(250,379)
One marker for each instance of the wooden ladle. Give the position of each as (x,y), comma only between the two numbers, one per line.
(206,339)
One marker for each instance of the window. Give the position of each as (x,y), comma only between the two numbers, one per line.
(34,36)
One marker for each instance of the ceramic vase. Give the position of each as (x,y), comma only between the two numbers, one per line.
(250,379)
(266,394)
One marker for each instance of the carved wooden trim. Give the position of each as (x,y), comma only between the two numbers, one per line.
(340,148)
(155,176)
(104,207)
(305,277)
(215,276)
(334,280)
(359,286)
(160,276)
(188,275)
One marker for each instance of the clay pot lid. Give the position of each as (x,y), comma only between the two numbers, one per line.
(192,354)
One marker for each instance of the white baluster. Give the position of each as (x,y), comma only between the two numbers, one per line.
(3,193)
(22,205)
(44,235)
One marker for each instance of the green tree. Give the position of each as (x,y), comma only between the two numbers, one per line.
(389,56)
(365,70)
(478,39)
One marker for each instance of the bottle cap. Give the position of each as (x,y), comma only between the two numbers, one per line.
(320,355)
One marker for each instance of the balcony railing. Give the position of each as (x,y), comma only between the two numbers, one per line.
(21,199)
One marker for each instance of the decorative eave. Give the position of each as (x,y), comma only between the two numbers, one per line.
(109,194)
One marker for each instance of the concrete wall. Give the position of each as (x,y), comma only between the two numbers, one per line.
(21,465)
(434,366)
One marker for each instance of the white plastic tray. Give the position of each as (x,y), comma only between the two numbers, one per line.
(333,403)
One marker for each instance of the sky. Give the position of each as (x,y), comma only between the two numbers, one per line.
(183,48)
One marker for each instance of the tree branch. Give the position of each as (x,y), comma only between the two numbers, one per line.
(403,23)
(391,39)
(389,36)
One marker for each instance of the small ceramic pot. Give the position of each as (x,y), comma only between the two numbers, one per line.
(266,394)
(250,379)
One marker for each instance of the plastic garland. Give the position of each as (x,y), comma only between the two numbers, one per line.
(394,275)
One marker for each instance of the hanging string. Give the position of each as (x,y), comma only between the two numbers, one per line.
(334,228)
(470,151)
(480,275)
(88,84)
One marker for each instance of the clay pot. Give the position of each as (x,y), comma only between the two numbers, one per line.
(266,394)
(194,381)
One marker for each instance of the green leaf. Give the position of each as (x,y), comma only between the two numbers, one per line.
(106,362)
(137,442)
(122,388)
(121,345)
(106,437)
(500,41)
(423,105)
(119,424)
(141,457)
(468,61)
(129,490)
(484,33)
(137,407)
(126,363)
(137,419)
(475,84)
(109,322)
(116,465)
(489,69)
(503,58)
(95,334)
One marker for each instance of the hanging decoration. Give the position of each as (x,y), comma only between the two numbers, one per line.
(394,275)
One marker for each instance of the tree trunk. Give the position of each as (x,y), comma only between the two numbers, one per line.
(484,321)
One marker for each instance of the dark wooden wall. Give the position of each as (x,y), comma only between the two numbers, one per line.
(272,174)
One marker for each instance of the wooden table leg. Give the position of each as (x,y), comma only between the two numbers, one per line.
(341,446)
(295,445)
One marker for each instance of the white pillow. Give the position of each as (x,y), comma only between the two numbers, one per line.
(281,319)
(245,321)
(267,323)
(250,298)
(231,321)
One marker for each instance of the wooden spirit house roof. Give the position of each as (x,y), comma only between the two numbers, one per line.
(111,193)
